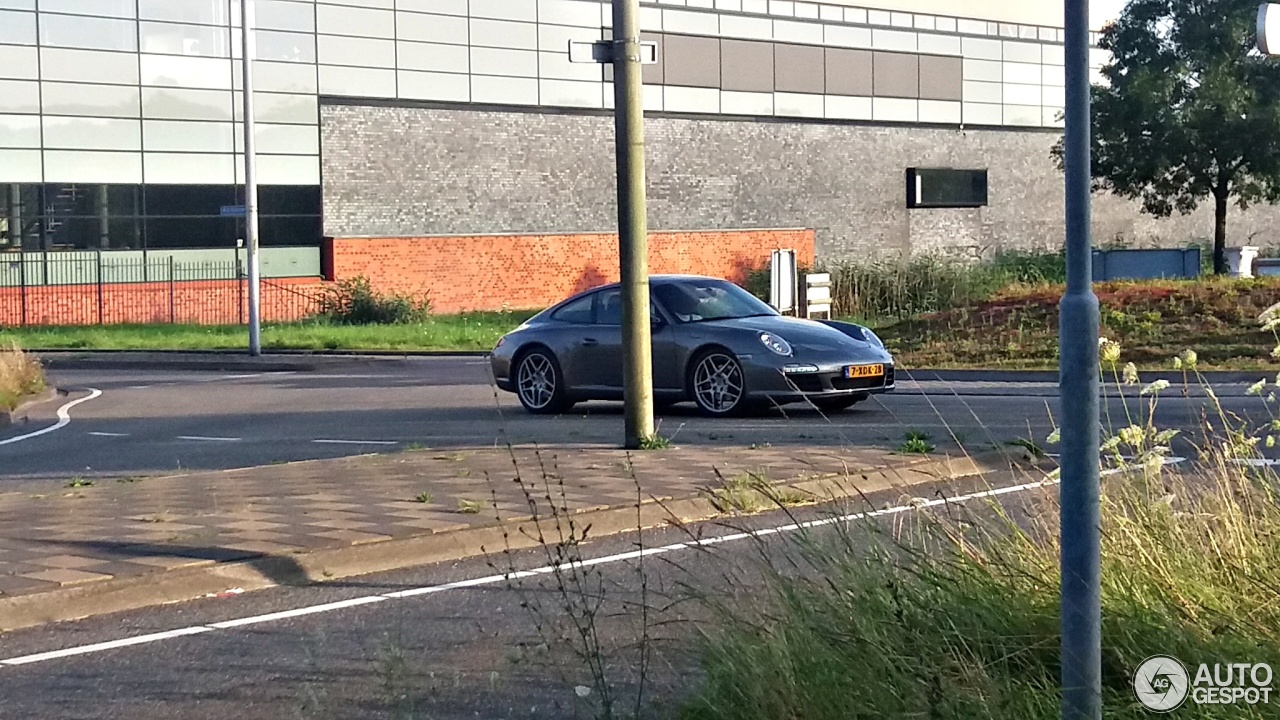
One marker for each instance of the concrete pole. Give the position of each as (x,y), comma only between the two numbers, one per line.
(1080,387)
(633,227)
(250,179)
(15,216)
(102,207)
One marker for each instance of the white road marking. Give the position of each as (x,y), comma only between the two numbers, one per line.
(202,438)
(355,442)
(109,434)
(139,387)
(64,418)
(544,570)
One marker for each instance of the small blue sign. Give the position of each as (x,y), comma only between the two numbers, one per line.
(233,211)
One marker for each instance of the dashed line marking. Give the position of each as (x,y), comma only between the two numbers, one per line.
(355,442)
(108,434)
(203,438)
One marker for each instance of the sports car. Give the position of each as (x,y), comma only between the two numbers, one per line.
(714,344)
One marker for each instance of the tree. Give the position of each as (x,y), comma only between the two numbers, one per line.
(1190,110)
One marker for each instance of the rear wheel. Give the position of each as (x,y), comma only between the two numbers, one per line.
(717,384)
(540,384)
(836,404)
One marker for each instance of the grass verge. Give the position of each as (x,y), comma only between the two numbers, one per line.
(20,375)
(463,332)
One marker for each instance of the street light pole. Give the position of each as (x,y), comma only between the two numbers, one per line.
(1080,387)
(633,243)
(250,179)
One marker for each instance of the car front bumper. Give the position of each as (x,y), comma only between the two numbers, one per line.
(779,385)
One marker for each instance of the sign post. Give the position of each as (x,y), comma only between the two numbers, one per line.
(250,179)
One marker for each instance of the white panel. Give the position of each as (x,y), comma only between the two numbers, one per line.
(848,108)
(1098,57)
(879,17)
(1054,75)
(89,100)
(503,34)
(77,166)
(281,77)
(1051,118)
(760,7)
(505,10)
(385,4)
(365,22)
(359,52)
(1054,96)
(19,96)
(22,63)
(1022,94)
(945,24)
(189,169)
(20,131)
(752,28)
(983,92)
(782,7)
(1031,115)
(693,23)
(893,40)
(357,82)
(432,28)
(73,133)
(280,108)
(556,66)
(281,139)
(894,110)
(798,105)
(184,104)
(708,4)
(746,103)
(939,111)
(981,49)
(570,93)
(1021,52)
(654,98)
(434,86)
(432,56)
(495,61)
(802,32)
(904,20)
(186,72)
(20,166)
(174,136)
(939,44)
(832,13)
(983,114)
(855,15)
(443,7)
(843,36)
(555,38)
(984,70)
(569,12)
(1022,73)
(18,28)
(806,10)
(1053,55)
(926,22)
(688,99)
(504,90)
(971,27)
(80,65)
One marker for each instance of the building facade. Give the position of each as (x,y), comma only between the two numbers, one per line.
(885,126)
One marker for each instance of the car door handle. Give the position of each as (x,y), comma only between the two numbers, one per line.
(590,341)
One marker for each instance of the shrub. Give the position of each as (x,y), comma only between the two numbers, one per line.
(20,375)
(355,302)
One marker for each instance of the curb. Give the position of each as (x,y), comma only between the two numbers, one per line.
(304,568)
(11,417)
(1051,376)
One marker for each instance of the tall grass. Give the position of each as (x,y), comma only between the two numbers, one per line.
(20,375)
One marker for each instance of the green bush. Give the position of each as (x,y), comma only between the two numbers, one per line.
(355,302)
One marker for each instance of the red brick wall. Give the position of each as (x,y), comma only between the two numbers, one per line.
(485,272)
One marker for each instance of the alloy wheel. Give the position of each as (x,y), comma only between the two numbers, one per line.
(717,383)
(536,381)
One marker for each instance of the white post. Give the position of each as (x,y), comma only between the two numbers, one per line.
(250,178)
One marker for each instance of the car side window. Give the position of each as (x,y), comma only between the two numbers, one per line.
(578,311)
(609,307)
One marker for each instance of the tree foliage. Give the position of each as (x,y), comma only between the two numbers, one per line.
(1189,110)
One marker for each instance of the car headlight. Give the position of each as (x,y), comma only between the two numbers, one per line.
(775,343)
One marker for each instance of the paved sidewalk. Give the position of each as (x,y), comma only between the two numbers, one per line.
(120,545)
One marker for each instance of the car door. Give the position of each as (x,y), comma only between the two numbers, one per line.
(606,351)
(572,324)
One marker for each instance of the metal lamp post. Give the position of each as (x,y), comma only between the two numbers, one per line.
(250,179)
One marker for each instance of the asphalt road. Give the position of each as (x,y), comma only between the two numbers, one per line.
(148,422)
(486,649)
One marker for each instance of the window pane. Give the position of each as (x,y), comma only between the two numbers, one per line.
(284,46)
(21,165)
(284,169)
(283,77)
(182,104)
(18,4)
(100,8)
(276,15)
(186,72)
(206,12)
(20,131)
(187,168)
(19,62)
(19,96)
(92,133)
(88,32)
(93,100)
(180,136)
(17,28)
(189,200)
(90,167)
(929,187)
(355,21)
(282,139)
(190,232)
(88,66)
(285,231)
(176,39)
(280,108)
(289,200)
(360,52)
(578,311)
(609,308)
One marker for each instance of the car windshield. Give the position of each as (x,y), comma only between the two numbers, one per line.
(699,300)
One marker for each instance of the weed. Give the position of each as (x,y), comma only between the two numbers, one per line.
(655,442)
(20,375)
(469,507)
(355,302)
(754,492)
(916,443)
(423,497)
(79,482)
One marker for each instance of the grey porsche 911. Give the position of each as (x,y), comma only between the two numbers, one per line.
(714,344)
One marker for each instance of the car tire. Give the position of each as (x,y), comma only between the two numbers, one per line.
(717,384)
(837,404)
(539,383)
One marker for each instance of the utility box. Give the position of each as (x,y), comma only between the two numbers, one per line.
(816,296)
(783,295)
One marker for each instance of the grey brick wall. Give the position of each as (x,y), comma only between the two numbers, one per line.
(422,171)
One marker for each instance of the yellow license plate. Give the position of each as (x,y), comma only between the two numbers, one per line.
(863,371)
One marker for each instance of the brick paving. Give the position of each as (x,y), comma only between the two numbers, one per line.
(85,535)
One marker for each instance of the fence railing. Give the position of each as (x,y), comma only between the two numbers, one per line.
(99,288)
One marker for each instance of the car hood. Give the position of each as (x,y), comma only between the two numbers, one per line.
(801,334)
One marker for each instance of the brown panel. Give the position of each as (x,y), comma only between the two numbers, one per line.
(848,72)
(896,75)
(746,65)
(798,68)
(692,61)
(650,74)
(941,78)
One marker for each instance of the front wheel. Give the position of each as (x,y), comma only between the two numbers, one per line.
(540,384)
(717,384)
